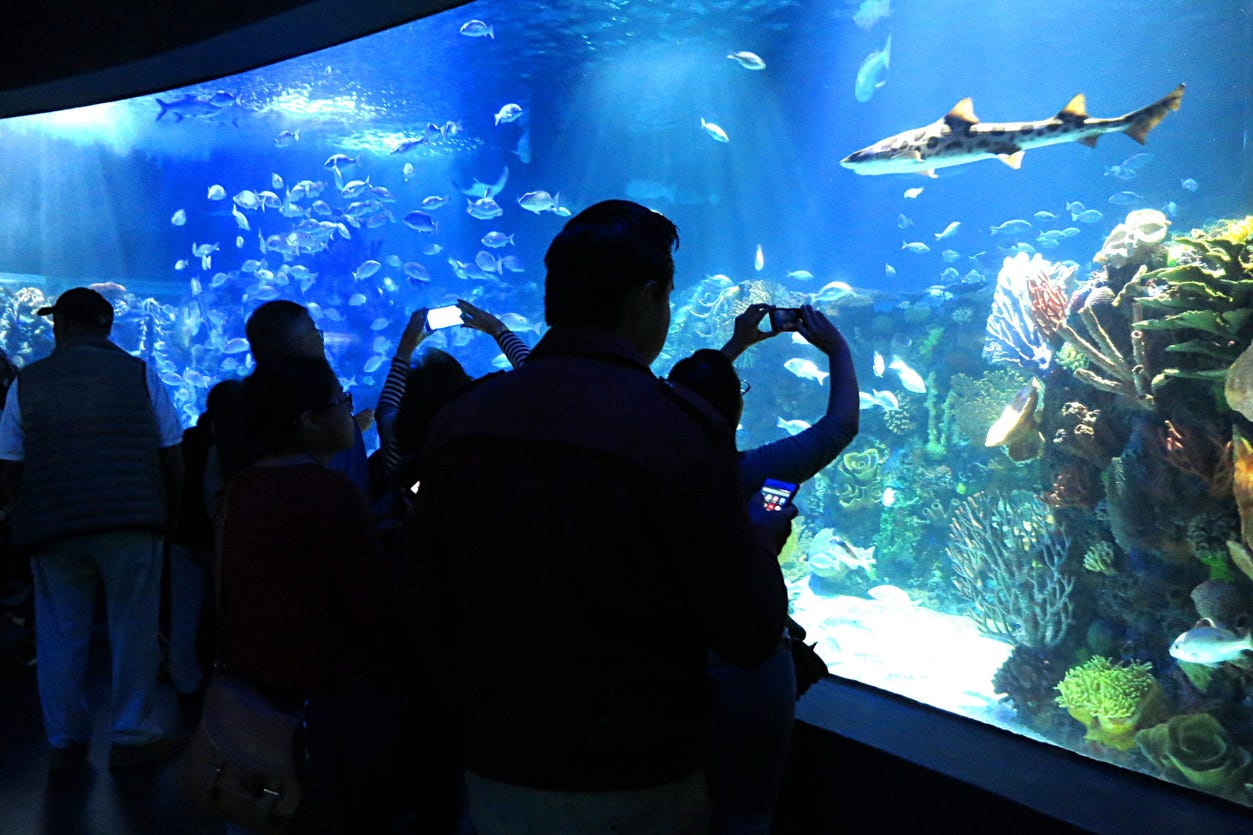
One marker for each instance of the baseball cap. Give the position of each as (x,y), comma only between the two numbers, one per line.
(82,305)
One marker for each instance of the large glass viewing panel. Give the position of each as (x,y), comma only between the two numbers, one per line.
(1045,522)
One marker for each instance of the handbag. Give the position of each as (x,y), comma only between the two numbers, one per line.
(243,761)
(810,668)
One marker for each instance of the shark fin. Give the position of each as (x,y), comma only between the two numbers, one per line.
(1013,160)
(962,116)
(1090,141)
(1076,108)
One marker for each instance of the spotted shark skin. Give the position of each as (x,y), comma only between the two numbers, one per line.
(959,137)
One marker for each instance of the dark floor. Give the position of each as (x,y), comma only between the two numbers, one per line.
(134,801)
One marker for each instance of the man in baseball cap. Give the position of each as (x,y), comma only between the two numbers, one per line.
(90,447)
(82,306)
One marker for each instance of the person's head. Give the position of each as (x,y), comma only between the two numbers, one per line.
(710,374)
(612,267)
(283,328)
(435,379)
(80,310)
(299,406)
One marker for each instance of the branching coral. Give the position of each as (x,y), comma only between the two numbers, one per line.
(1204,452)
(1110,369)
(1111,700)
(1008,562)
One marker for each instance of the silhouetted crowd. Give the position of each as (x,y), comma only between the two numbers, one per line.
(548,603)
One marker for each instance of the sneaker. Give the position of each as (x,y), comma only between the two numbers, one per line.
(67,759)
(126,756)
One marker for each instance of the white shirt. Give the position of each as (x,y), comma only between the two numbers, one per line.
(169,429)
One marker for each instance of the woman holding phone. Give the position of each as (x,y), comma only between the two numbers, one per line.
(754,708)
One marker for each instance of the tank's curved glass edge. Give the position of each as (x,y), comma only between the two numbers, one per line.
(310,27)
(1047,778)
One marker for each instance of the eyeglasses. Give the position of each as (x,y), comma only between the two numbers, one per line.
(745,387)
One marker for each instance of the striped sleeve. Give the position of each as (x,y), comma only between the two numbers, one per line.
(512,346)
(388,407)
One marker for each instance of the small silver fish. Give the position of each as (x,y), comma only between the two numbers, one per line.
(1209,644)
(748,60)
(714,130)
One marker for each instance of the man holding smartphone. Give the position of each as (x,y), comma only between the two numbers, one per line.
(579,546)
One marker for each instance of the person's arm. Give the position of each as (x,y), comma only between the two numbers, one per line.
(511,345)
(169,445)
(11,451)
(800,457)
(394,386)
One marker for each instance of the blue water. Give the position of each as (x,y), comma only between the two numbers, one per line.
(613,95)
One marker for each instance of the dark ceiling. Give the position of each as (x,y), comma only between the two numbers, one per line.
(57,55)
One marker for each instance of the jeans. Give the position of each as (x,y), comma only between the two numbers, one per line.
(67,575)
(753,713)
(189,591)
(677,808)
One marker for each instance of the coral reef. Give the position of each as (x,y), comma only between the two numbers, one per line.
(1109,369)
(1084,434)
(861,484)
(1203,452)
(973,403)
(1242,482)
(1195,750)
(1111,700)
(1201,302)
(1018,429)
(1008,563)
(1225,603)
(1073,486)
(1099,558)
(1029,678)
(1012,332)
(1134,241)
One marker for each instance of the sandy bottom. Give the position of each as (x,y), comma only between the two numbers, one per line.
(931,657)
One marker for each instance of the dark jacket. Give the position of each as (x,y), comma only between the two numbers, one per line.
(90,445)
(579,546)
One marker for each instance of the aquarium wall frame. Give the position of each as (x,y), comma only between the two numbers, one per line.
(104,52)
(1052,781)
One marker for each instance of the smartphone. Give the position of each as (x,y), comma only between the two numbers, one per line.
(784,318)
(443,317)
(776,495)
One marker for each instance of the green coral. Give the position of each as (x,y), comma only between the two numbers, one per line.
(901,421)
(1210,552)
(1201,302)
(1111,700)
(1194,749)
(926,348)
(1099,558)
(860,474)
(976,402)
(1070,358)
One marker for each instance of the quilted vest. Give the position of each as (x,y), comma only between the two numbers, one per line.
(90,445)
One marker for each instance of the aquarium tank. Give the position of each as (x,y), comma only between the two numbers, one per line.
(1032,222)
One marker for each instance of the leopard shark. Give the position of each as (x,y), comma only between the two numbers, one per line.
(959,137)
